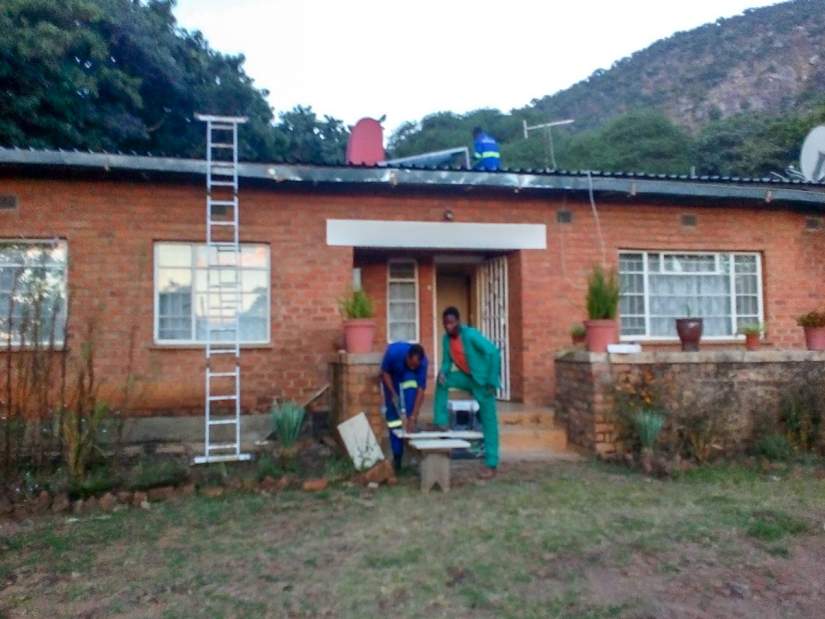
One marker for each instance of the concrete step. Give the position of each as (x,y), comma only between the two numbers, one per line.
(532,438)
(543,417)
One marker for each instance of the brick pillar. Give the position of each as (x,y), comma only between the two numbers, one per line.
(355,390)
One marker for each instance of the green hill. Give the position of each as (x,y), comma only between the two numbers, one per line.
(751,85)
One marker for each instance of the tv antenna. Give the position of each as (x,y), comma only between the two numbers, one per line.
(812,157)
(549,150)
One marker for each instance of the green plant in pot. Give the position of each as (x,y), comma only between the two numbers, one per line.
(752,333)
(602,328)
(814,325)
(359,328)
(578,334)
(287,423)
(690,330)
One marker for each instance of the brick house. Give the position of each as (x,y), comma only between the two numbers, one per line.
(122,235)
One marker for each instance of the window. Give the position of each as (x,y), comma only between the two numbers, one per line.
(180,293)
(725,289)
(402,301)
(32,292)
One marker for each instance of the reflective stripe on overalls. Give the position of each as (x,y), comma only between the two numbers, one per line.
(407,392)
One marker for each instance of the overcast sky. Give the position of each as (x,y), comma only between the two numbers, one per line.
(406,60)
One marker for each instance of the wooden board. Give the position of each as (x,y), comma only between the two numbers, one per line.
(467,435)
(360,442)
(439,444)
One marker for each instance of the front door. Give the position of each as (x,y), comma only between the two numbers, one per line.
(491,287)
(453,287)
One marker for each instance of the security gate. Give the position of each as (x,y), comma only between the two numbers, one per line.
(491,286)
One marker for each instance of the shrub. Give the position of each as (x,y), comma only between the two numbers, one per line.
(577,330)
(602,294)
(812,319)
(801,416)
(287,421)
(648,424)
(155,473)
(774,447)
(356,305)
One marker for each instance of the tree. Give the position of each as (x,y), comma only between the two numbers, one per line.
(121,75)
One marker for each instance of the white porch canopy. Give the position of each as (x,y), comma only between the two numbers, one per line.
(434,235)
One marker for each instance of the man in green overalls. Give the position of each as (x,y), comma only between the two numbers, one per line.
(476,360)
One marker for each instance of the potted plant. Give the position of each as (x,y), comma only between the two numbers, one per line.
(602,329)
(814,325)
(359,328)
(578,334)
(752,332)
(690,331)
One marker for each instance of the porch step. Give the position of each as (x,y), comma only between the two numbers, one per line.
(529,438)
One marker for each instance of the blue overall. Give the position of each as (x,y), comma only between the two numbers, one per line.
(487,153)
(406,383)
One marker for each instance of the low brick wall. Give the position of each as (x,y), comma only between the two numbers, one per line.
(354,390)
(743,384)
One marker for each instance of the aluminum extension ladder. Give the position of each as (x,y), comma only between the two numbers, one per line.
(221,304)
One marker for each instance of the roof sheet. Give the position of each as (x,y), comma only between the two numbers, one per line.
(766,190)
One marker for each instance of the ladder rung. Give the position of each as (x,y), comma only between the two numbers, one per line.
(221,126)
(221,374)
(222,351)
(222,202)
(222,422)
(222,183)
(222,145)
(217,446)
(222,398)
(228,458)
(222,223)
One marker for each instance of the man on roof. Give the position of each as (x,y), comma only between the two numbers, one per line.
(471,363)
(487,153)
(404,378)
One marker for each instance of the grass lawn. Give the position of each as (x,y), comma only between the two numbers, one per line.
(543,540)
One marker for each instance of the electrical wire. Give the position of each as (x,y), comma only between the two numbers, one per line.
(596,218)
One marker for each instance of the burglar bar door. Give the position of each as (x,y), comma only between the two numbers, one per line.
(493,313)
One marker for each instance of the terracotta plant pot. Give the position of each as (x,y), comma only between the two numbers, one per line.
(600,333)
(359,335)
(690,333)
(752,341)
(815,338)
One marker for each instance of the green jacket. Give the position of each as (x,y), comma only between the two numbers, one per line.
(482,356)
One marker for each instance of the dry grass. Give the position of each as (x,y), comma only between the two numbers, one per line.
(561,540)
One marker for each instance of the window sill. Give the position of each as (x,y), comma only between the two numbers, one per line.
(201,347)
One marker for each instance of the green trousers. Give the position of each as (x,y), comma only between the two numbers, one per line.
(487,410)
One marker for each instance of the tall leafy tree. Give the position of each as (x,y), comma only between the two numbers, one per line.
(121,75)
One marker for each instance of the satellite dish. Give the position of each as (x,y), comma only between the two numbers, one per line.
(812,157)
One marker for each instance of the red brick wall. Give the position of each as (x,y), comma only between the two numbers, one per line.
(111,227)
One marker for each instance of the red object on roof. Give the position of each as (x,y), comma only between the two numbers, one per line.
(366,143)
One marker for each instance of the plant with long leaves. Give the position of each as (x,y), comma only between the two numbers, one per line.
(287,422)
(602,294)
(649,424)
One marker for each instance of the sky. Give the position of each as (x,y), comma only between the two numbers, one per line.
(358,58)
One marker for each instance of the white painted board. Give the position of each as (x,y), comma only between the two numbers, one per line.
(435,235)
(466,435)
(439,444)
(360,442)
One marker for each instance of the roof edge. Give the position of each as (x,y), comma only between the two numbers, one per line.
(631,185)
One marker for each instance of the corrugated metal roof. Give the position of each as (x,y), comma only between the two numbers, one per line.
(766,190)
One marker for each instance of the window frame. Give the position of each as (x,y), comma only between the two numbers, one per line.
(414,280)
(194,343)
(717,254)
(61,343)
